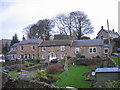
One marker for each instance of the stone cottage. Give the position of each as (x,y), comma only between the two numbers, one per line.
(26,49)
(58,49)
(105,34)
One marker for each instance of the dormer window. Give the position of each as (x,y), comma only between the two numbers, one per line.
(43,49)
(62,48)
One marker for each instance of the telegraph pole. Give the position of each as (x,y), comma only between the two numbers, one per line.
(109,37)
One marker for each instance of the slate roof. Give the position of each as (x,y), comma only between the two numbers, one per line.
(14,45)
(107,70)
(30,41)
(12,52)
(56,43)
(108,32)
(91,42)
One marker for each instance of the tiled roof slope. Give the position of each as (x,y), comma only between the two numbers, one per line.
(91,42)
(12,52)
(30,41)
(56,43)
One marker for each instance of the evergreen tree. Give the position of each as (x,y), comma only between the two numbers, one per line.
(14,39)
(5,49)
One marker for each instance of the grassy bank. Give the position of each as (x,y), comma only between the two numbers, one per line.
(74,78)
(116,60)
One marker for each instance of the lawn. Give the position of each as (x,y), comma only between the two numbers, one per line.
(2,68)
(116,60)
(75,78)
(14,73)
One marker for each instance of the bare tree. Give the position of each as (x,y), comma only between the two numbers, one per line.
(64,24)
(74,22)
(81,24)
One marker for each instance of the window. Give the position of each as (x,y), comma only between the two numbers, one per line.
(21,47)
(33,56)
(62,56)
(43,48)
(13,56)
(29,56)
(62,48)
(77,50)
(92,49)
(106,50)
(25,56)
(21,56)
(33,47)
(44,56)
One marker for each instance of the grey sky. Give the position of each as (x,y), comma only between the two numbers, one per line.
(18,14)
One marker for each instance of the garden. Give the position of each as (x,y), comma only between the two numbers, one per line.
(78,74)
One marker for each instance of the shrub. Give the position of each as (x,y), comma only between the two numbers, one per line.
(41,74)
(54,69)
(112,84)
(37,60)
(80,56)
(26,64)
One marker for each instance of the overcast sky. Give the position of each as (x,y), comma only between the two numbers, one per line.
(15,15)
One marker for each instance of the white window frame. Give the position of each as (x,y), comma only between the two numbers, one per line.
(21,48)
(62,48)
(25,56)
(32,47)
(43,49)
(92,48)
(62,56)
(105,52)
(77,50)
(21,56)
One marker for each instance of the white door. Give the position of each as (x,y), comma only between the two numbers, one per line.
(52,56)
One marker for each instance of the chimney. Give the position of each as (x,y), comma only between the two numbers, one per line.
(43,37)
(23,38)
(113,30)
(101,27)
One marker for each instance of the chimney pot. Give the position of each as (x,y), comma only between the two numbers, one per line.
(113,30)
(23,38)
(101,27)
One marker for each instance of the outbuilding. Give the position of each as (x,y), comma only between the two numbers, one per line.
(103,75)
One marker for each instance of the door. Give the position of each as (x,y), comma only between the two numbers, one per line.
(52,56)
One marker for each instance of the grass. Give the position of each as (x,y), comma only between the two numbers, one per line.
(2,68)
(116,60)
(14,73)
(75,77)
